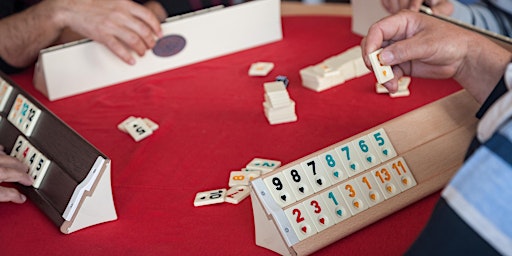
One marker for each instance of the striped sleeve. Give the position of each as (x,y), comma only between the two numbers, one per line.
(486,15)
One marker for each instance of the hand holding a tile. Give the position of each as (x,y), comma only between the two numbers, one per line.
(422,46)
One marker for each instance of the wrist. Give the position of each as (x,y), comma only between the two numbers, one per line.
(482,67)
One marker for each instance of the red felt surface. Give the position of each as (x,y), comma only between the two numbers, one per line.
(211,123)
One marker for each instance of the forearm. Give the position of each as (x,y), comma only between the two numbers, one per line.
(25,33)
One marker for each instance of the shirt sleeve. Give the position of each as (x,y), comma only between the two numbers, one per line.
(485,15)
(173,7)
(9,7)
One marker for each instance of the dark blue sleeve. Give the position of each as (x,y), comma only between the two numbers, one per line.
(9,7)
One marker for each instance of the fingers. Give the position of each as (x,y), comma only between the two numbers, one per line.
(11,195)
(135,30)
(12,170)
(123,27)
(390,33)
(394,6)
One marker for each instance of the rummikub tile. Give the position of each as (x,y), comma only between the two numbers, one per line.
(24,115)
(404,175)
(122,126)
(398,94)
(18,147)
(237,193)
(319,212)
(30,119)
(367,153)
(316,174)
(280,190)
(388,186)
(382,73)
(370,189)
(381,142)
(239,178)
(151,124)
(336,204)
(325,70)
(298,181)
(350,159)
(31,156)
(210,197)
(301,221)
(5,93)
(15,110)
(263,165)
(260,68)
(38,170)
(333,166)
(353,196)
(138,129)
(278,106)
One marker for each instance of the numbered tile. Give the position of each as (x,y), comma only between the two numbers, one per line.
(353,196)
(382,144)
(30,120)
(280,190)
(138,129)
(301,222)
(5,93)
(25,150)
(367,153)
(15,110)
(210,197)
(320,214)
(260,68)
(151,124)
(298,181)
(31,156)
(336,204)
(241,178)
(403,174)
(370,189)
(18,147)
(382,73)
(38,163)
(38,169)
(333,166)
(236,194)
(24,115)
(122,126)
(263,165)
(387,184)
(316,174)
(350,159)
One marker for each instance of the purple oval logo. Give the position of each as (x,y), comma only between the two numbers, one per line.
(169,45)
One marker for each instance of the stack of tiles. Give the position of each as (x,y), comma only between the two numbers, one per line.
(239,188)
(278,106)
(334,70)
(137,127)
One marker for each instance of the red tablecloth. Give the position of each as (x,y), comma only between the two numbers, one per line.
(211,123)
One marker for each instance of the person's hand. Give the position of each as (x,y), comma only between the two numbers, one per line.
(12,170)
(443,7)
(422,46)
(122,26)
